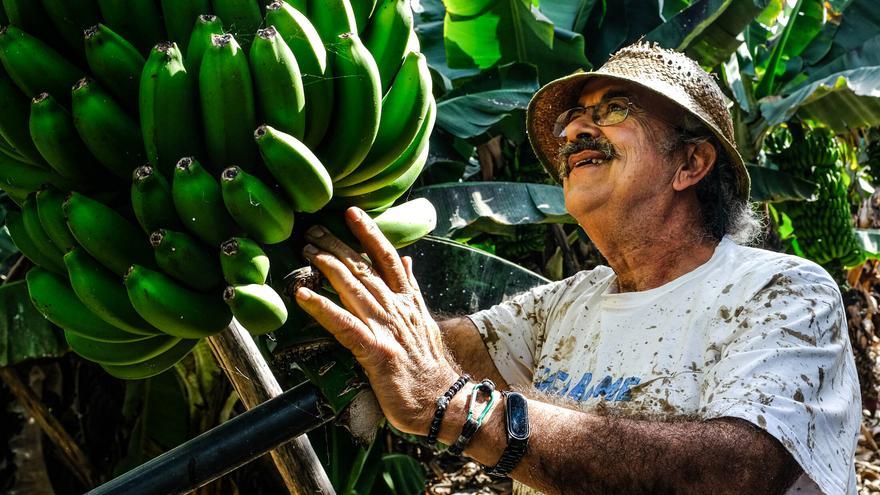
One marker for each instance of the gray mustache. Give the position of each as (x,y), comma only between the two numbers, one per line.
(581,144)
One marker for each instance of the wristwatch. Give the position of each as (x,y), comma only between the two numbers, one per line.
(516,413)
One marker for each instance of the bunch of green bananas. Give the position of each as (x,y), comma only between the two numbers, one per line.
(161,151)
(824,227)
(872,154)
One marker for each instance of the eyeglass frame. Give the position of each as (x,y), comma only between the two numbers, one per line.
(560,131)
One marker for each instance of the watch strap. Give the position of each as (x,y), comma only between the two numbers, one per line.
(513,453)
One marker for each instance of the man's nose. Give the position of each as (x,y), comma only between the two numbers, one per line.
(581,127)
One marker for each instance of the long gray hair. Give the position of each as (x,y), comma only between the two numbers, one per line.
(723,213)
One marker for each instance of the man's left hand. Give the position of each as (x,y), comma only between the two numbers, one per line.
(385,322)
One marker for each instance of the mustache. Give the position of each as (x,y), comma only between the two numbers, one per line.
(582,144)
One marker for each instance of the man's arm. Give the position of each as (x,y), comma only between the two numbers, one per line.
(387,326)
(576,452)
(463,340)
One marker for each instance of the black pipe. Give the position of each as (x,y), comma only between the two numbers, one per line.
(226,447)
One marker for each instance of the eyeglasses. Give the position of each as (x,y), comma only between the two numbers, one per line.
(607,112)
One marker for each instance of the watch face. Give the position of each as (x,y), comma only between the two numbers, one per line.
(517,416)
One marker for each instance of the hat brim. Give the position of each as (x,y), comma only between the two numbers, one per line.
(563,93)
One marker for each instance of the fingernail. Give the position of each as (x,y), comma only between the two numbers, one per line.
(310,249)
(316,232)
(356,212)
(303,294)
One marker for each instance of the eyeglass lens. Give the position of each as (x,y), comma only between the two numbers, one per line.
(605,113)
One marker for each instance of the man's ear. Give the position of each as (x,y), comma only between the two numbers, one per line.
(700,157)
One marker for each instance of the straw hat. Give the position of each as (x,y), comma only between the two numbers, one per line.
(666,72)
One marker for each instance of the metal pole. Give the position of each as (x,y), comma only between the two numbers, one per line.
(226,447)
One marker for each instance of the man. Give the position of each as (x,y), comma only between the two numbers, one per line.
(691,365)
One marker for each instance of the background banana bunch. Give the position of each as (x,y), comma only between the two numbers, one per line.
(825,226)
(166,155)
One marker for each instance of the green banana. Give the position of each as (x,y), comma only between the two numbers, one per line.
(206,26)
(35,231)
(14,122)
(199,202)
(228,107)
(139,21)
(51,215)
(105,234)
(35,66)
(9,151)
(403,224)
(154,365)
(174,309)
(21,178)
(404,109)
(363,10)
(115,63)
(257,307)
(179,17)
(56,301)
(169,108)
(120,353)
(311,55)
(359,91)
(243,262)
(108,132)
(100,291)
(55,137)
(151,200)
(387,37)
(242,18)
(278,83)
(30,16)
(386,195)
(27,246)
(255,207)
(70,18)
(332,18)
(299,172)
(186,260)
(414,156)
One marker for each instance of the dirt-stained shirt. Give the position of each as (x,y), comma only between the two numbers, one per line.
(751,334)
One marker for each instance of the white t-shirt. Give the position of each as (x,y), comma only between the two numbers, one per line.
(750,334)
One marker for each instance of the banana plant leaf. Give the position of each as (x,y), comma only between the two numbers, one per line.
(428,17)
(403,474)
(485,33)
(24,333)
(708,30)
(842,101)
(769,185)
(870,241)
(614,24)
(484,103)
(467,208)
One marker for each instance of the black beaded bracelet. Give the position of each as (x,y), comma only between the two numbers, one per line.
(473,422)
(442,403)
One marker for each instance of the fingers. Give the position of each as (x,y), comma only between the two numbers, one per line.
(348,330)
(408,268)
(354,261)
(356,297)
(386,261)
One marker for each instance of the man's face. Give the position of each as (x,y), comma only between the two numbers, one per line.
(638,169)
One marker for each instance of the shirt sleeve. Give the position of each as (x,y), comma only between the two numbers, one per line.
(783,362)
(514,328)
